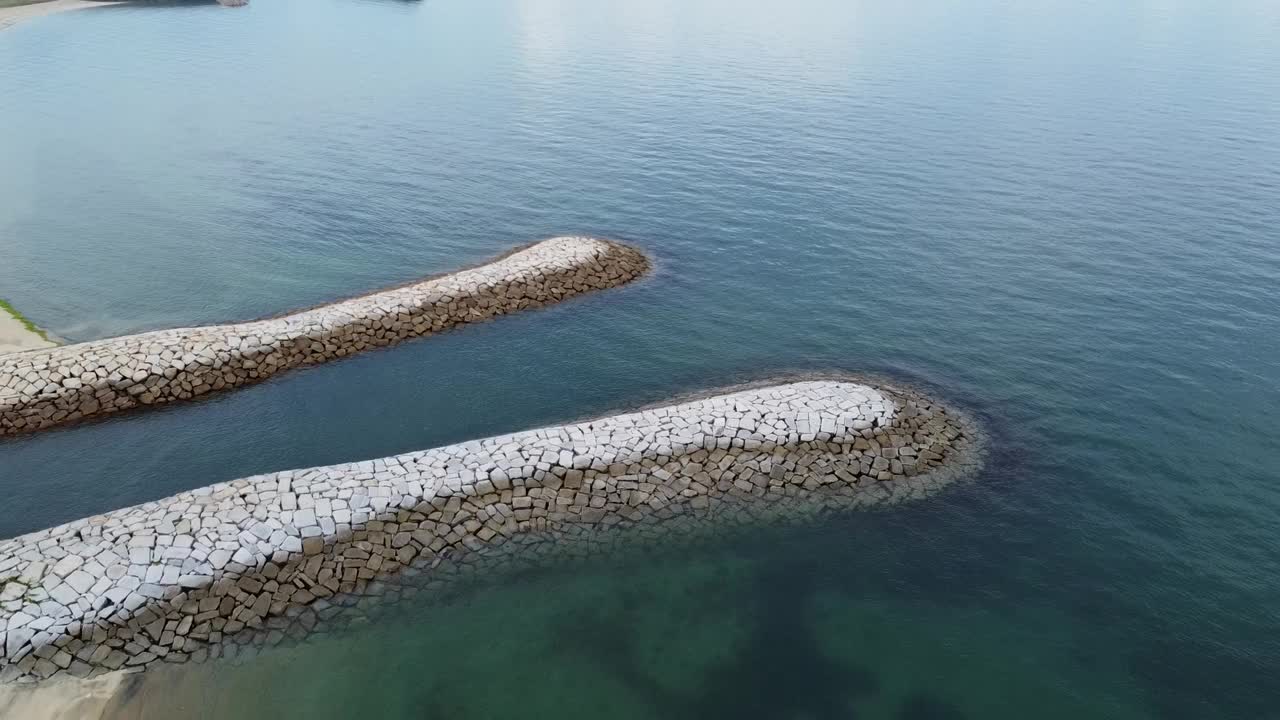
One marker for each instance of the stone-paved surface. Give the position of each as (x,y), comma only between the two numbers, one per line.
(174,578)
(44,388)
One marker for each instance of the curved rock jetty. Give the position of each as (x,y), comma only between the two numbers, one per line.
(176,578)
(41,389)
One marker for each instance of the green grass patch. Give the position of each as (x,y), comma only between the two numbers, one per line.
(6,307)
(16,3)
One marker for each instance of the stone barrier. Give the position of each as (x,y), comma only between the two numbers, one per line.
(177,578)
(43,388)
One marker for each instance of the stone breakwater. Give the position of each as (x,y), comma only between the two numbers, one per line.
(178,578)
(41,389)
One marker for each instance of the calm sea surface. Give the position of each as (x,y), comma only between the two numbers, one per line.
(1063,215)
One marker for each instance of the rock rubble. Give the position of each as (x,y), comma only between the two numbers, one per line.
(179,578)
(43,388)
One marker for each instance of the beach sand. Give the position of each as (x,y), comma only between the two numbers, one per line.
(10,16)
(15,337)
(68,699)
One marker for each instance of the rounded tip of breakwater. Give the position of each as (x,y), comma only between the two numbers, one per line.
(176,579)
(46,388)
(968,447)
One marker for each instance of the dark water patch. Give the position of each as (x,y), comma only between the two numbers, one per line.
(779,671)
(1181,674)
(925,707)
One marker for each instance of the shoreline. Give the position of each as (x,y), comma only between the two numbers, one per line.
(17,333)
(10,16)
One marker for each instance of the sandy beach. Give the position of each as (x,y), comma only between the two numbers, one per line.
(10,16)
(67,699)
(15,336)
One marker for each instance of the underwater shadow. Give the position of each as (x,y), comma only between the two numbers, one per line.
(782,672)
(927,707)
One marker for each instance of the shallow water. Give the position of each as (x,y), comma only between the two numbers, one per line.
(1061,215)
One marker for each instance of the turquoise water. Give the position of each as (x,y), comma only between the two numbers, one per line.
(1061,215)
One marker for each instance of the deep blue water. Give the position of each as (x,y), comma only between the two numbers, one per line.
(1061,215)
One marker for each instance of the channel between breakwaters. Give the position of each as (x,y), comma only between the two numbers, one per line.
(40,389)
(182,578)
